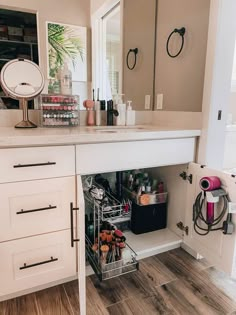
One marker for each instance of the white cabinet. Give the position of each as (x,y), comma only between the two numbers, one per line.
(216,247)
(37,187)
(42,226)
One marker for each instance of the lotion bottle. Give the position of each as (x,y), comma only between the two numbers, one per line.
(130,115)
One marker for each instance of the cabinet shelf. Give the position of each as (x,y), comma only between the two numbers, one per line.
(17,42)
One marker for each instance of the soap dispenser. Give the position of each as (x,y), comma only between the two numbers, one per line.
(130,115)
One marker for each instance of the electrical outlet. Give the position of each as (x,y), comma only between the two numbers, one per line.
(159,101)
(232,207)
(147,101)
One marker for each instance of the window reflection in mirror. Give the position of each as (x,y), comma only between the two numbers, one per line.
(107,47)
(18,39)
(113,58)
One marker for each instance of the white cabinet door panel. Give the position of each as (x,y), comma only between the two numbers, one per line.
(30,208)
(216,247)
(81,246)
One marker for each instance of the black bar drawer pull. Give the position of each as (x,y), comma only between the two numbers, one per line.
(39,263)
(32,165)
(72,225)
(36,210)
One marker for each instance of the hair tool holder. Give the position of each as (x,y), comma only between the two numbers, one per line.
(22,80)
(211,195)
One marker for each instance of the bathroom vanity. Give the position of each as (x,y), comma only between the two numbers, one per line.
(42,228)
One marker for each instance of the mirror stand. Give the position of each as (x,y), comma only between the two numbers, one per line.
(25,123)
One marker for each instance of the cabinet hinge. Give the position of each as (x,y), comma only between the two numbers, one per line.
(185,176)
(181,226)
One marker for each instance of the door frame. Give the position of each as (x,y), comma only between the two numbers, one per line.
(217,82)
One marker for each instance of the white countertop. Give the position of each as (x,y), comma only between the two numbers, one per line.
(12,137)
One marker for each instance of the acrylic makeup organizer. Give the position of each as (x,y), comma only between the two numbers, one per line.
(112,214)
(59,110)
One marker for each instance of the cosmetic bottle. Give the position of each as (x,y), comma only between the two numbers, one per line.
(110,113)
(98,113)
(130,115)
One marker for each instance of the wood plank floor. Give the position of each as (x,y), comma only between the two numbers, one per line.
(168,283)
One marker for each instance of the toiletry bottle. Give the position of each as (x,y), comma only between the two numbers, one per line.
(130,115)
(98,113)
(110,113)
(121,108)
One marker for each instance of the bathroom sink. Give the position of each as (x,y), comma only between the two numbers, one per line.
(111,129)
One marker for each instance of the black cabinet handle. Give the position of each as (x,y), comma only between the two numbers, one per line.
(39,263)
(72,224)
(35,210)
(32,165)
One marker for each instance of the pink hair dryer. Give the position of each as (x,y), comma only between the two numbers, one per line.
(208,184)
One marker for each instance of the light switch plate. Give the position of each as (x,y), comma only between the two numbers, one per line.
(147,101)
(159,101)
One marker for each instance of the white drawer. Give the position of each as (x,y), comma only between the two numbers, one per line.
(36,163)
(108,157)
(34,261)
(30,208)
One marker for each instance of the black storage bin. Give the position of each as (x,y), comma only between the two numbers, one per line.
(148,218)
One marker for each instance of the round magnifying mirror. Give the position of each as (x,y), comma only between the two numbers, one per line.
(23,80)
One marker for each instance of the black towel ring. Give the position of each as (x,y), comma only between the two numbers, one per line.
(135,51)
(181,32)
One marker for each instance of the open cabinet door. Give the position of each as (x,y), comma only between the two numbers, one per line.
(217,248)
(81,246)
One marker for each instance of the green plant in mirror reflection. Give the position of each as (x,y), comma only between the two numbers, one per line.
(64,44)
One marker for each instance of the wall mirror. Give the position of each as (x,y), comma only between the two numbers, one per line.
(18,39)
(158,81)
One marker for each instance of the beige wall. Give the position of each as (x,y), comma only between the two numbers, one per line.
(75,12)
(96,4)
(180,80)
(139,32)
